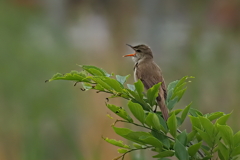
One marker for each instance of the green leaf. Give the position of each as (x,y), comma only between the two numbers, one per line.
(86,86)
(223,150)
(195,112)
(177,111)
(171,103)
(99,87)
(137,111)
(120,112)
(116,143)
(207,125)
(222,120)
(131,87)
(163,154)
(180,151)
(120,150)
(152,141)
(72,76)
(138,146)
(185,112)
(172,125)
(195,122)
(162,122)
(156,122)
(236,151)
(182,138)
(193,149)
(191,136)
(114,84)
(152,94)
(172,85)
(122,131)
(153,121)
(139,87)
(164,139)
(215,115)
(138,137)
(137,99)
(205,137)
(130,135)
(102,83)
(236,139)
(226,133)
(122,79)
(95,71)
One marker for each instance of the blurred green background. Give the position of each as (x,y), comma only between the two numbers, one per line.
(57,121)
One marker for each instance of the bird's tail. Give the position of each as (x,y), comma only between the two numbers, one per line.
(162,106)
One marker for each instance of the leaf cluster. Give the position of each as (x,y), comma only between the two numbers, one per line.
(210,135)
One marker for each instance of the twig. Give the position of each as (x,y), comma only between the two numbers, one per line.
(144,127)
(133,150)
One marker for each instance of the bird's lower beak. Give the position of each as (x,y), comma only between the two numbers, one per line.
(129,55)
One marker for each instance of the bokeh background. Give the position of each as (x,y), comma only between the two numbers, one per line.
(57,121)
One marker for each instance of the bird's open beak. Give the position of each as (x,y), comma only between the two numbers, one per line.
(130,55)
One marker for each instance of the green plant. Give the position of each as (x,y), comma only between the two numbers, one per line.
(210,138)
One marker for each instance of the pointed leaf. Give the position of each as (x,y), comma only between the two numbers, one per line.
(139,88)
(95,71)
(223,150)
(236,151)
(171,103)
(185,112)
(120,150)
(195,112)
(131,87)
(72,76)
(137,111)
(193,149)
(152,141)
(191,135)
(122,79)
(152,93)
(207,125)
(116,143)
(182,138)
(86,86)
(113,83)
(163,154)
(215,115)
(180,151)
(195,122)
(120,112)
(138,146)
(164,139)
(222,120)
(205,137)
(226,133)
(172,125)
(236,139)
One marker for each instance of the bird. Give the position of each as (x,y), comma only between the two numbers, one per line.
(149,73)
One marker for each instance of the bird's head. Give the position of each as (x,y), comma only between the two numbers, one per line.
(141,52)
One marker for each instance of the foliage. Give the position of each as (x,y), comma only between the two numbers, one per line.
(210,136)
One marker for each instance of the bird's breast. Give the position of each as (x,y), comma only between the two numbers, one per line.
(135,74)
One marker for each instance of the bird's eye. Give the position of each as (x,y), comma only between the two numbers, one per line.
(138,50)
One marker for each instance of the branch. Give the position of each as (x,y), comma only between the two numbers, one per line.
(144,127)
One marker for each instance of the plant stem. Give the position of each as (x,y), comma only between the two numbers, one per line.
(144,127)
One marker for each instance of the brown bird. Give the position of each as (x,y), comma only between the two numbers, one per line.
(149,73)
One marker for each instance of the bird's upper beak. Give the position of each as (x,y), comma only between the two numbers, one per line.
(130,55)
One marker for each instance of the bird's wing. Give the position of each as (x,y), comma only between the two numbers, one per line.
(150,74)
